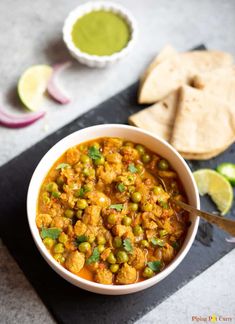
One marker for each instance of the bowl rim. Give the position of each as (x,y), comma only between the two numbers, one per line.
(88,7)
(87,283)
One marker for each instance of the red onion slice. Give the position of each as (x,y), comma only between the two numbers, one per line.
(13,121)
(53,89)
(230,239)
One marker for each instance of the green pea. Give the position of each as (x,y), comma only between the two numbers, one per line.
(163,165)
(140,149)
(101,248)
(55,194)
(114,268)
(111,258)
(82,203)
(100,161)
(60,181)
(86,172)
(137,230)
(136,197)
(48,242)
(59,257)
(122,257)
(84,158)
(133,206)
(146,158)
(52,187)
(148,273)
(69,213)
(84,247)
(157,190)
(147,207)
(63,238)
(144,243)
(140,168)
(79,214)
(126,221)
(59,248)
(117,242)
(112,219)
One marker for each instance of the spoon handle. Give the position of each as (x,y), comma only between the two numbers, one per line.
(225,224)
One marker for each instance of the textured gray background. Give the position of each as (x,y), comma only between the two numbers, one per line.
(31,34)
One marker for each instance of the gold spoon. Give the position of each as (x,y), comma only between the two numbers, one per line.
(226,224)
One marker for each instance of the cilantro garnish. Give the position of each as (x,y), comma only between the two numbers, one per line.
(94,153)
(62,166)
(94,257)
(118,207)
(155,265)
(50,232)
(132,168)
(81,239)
(121,187)
(127,245)
(175,245)
(156,241)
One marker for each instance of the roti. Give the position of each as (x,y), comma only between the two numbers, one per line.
(203,123)
(203,156)
(165,53)
(220,83)
(177,70)
(164,78)
(158,118)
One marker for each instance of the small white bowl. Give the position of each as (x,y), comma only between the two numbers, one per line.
(132,134)
(95,60)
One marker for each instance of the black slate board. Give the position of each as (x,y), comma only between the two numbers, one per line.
(67,303)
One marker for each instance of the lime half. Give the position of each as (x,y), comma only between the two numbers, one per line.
(216,186)
(33,84)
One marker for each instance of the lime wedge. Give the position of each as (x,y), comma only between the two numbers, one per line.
(32,85)
(216,186)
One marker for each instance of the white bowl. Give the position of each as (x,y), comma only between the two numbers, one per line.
(95,60)
(132,134)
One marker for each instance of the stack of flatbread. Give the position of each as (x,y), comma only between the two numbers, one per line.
(193,97)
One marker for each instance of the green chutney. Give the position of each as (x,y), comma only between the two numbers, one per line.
(100,33)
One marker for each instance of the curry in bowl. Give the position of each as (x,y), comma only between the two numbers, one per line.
(104,214)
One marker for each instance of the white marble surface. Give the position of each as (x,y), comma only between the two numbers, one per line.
(32,35)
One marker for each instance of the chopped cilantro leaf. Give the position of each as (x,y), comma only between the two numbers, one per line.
(50,232)
(62,166)
(175,245)
(132,168)
(127,245)
(81,239)
(155,265)
(94,257)
(155,241)
(118,207)
(94,153)
(121,187)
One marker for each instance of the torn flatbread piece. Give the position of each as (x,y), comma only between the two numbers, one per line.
(166,77)
(178,70)
(165,53)
(158,118)
(203,123)
(220,83)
